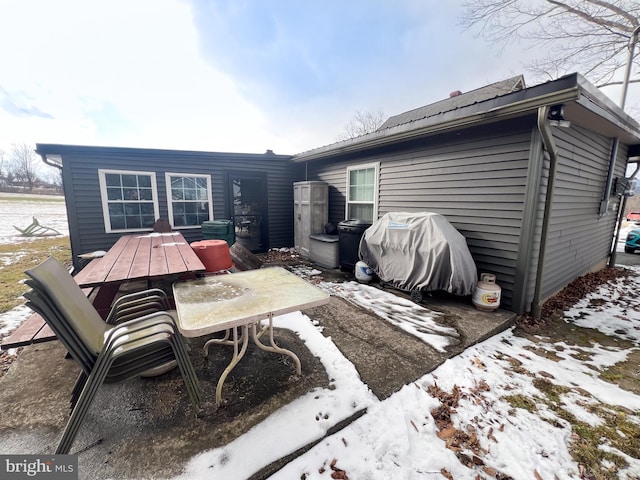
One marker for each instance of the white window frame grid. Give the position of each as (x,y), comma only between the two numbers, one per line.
(102,173)
(376,175)
(170,200)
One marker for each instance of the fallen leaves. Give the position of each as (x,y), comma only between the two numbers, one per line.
(479,363)
(463,442)
(338,473)
(570,295)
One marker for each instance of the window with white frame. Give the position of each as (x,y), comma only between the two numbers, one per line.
(129,200)
(362,192)
(189,199)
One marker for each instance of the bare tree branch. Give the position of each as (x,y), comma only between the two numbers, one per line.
(24,163)
(608,84)
(362,123)
(599,20)
(588,36)
(616,10)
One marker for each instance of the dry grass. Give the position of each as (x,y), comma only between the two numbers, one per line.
(15,258)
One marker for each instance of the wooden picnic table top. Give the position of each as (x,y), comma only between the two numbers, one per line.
(143,256)
(132,257)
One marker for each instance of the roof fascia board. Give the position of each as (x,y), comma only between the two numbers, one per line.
(595,101)
(60,149)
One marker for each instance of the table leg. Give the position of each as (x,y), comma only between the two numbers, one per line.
(221,341)
(273,347)
(237,355)
(104,298)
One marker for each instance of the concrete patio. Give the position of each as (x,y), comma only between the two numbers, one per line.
(146,428)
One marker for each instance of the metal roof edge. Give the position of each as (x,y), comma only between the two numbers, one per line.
(464,99)
(607,108)
(562,90)
(61,149)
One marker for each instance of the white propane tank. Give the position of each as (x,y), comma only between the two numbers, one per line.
(487,294)
(363,273)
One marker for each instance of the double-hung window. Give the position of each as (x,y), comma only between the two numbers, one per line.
(362,192)
(189,199)
(129,200)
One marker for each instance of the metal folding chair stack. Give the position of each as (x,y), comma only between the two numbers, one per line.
(147,338)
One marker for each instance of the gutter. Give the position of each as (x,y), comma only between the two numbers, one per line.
(552,149)
(51,160)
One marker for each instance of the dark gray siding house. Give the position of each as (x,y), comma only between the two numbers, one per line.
(114,191)
(485,160)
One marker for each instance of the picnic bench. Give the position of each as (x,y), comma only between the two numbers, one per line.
(132,258)
(32,330)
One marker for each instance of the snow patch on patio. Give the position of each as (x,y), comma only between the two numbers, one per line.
(403,313)
(398,437)
(301,422)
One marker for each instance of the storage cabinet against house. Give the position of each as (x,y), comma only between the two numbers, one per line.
(310,211)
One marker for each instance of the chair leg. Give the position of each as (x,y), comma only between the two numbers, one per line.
(77,388)
(189,375)
(81,408)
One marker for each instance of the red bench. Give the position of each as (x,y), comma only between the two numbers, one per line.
(33,329)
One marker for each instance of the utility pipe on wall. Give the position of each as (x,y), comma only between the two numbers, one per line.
(623,98)
(623,205)
(550,147)
(627,74)
(604,204)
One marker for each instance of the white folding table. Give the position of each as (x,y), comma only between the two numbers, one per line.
(240,301)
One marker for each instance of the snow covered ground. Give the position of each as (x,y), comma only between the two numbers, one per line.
(402,438)
(501,409)
(19,210)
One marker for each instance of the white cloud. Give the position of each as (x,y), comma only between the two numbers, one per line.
(128,73)
(192,75)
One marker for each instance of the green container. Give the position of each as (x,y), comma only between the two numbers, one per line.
(219,230)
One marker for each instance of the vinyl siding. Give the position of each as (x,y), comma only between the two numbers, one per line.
(476,179)
(579,238)
(80,172)
(480,179)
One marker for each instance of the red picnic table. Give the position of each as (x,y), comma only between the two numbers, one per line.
(132,258)
(141,257)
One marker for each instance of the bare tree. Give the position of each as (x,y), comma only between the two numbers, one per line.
(362,123)
(588,36)
(3,172)
(25,164)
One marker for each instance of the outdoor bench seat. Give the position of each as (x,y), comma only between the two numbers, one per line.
(32,330)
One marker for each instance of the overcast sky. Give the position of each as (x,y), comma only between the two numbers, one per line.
(229,75)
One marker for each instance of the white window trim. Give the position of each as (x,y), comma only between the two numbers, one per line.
(167,178)
(376,194)
(105,201)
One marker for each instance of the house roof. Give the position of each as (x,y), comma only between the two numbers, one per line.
(585,105)
(457,100)
(52,153)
